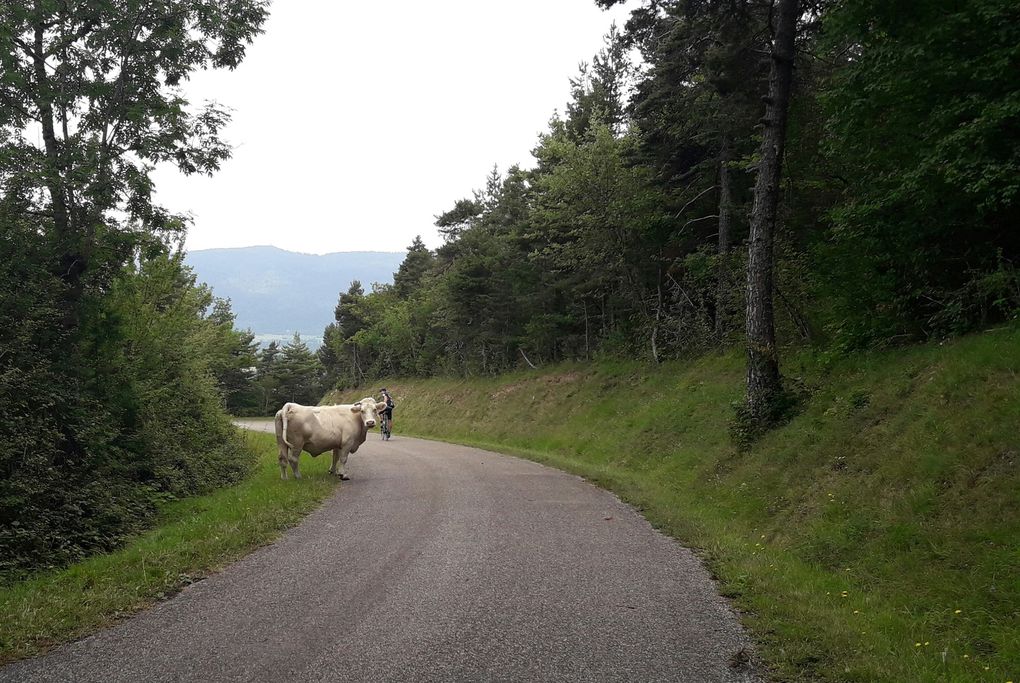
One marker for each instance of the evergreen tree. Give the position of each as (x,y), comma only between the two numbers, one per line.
(349,312)
(453,222)
(299,374)
(267,378)
(764,384)
(233,357)
(597,92)
(416,264)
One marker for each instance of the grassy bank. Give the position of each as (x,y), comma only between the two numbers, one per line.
(194,537)
(876,537)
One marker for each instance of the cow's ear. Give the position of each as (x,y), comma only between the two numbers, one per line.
(356,408)
(380,406)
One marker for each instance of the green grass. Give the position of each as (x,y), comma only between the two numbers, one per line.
(194,538)
(876,537)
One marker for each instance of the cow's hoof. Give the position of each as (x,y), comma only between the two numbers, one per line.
(344,477)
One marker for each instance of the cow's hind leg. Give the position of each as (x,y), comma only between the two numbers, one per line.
(295,454)
(283,462)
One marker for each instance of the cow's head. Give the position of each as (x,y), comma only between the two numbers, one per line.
(369,410)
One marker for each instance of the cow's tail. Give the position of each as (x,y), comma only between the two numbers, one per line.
(285,410)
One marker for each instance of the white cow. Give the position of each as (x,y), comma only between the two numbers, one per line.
(317,429)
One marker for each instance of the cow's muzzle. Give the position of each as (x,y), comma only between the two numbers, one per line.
(370,423)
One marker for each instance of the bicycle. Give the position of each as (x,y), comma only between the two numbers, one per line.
(386,415)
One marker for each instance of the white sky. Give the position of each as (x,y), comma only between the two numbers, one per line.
(355,123)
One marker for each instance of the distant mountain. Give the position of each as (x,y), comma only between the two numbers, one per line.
(277,292)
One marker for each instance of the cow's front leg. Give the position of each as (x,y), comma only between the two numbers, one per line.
(343,452)
(336,459)
(295,455)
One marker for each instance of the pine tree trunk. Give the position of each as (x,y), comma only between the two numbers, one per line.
(763,378)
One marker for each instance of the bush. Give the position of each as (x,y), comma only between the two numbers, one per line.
(119,417)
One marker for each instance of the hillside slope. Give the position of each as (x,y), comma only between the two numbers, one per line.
(876,537)
(274,291)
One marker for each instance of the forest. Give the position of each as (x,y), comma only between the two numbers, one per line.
(758,173)
(771,174)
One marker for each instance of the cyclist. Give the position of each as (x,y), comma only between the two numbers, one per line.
(386,424)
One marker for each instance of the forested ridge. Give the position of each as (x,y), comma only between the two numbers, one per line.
(840,175)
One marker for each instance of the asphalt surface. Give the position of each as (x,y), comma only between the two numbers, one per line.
(435,563)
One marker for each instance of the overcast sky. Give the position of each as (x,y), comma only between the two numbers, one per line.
(355,123)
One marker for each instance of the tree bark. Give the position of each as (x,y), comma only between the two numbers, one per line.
(763,379)
(45,105)
(67,241)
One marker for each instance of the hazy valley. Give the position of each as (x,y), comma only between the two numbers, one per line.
(276,293)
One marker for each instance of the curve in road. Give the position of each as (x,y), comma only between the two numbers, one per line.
(435,563)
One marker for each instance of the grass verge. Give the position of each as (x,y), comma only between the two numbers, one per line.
(876,537)
(194,537)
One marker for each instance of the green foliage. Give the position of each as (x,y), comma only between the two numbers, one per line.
(896,221)
(233,354)
(145,418)
(408,278)
(613,244)
(925,121)
(597,92)
(291,374)
(697,298)
(299,373)
(598,219)
(110,352)
(539,266)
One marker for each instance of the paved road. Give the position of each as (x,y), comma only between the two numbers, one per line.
(434,563)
